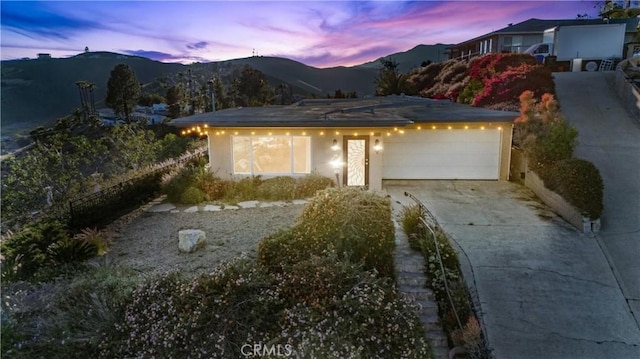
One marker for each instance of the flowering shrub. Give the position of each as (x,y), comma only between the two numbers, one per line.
(352,222)
(506,86)
(326,307)
(491,64)
(444,80)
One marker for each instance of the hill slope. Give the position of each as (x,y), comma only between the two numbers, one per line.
(36,92)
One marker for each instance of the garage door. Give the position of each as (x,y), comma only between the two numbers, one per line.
(442,154)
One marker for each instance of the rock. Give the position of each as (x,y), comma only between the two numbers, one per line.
(193,209)
(163,207)
(248,204)
(231,207)
(211,208)
(189,240)
(299,201)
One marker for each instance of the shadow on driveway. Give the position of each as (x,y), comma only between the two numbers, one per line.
(544,289)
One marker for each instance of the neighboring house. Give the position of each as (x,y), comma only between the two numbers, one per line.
(360,142)
(518,37)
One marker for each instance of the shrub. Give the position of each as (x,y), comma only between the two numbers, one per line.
(352,222)
(192,195)
(340,311)
(39,246)
(579,182)
(308,185)
(470,91)
(556,143)
(277,188)
(243,190)
(507,86)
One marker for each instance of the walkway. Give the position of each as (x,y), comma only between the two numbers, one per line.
(544,290)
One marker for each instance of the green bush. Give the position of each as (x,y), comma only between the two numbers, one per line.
(352,222)
(579,182)
(243,190)
(41,250)
(308,185)
(557,142)
(277,188)
(192,195)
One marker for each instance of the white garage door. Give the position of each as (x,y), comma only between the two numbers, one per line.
(442,154)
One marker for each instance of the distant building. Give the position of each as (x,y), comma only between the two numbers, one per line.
(518,37)
(44,56)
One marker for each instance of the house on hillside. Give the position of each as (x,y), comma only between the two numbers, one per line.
(360,142)
(518,37)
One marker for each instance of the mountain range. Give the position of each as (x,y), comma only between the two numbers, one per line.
(37,91)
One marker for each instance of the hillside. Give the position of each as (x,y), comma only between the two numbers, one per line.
(37,91)
(411,59)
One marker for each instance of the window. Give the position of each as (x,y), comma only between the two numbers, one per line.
(271,154)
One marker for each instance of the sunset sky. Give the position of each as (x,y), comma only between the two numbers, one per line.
(317,33)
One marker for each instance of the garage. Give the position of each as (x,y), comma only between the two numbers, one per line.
(443,154)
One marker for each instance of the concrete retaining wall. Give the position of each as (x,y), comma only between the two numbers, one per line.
(556,202)
(629,93)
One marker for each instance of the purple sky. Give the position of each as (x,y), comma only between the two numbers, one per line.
(317,33)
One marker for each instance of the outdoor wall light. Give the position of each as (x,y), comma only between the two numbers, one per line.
(335,146)
(377,146)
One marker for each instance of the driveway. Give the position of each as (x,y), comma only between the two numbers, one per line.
(610,138)
(544,289)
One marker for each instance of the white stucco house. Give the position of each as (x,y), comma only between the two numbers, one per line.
(360,142)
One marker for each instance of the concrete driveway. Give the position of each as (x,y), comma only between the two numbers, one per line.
(610,138)
(544,289)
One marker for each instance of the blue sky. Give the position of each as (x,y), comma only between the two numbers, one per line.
(317,33)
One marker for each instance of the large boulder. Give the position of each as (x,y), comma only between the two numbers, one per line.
(189,240)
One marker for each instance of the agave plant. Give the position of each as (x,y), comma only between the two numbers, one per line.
(96,238)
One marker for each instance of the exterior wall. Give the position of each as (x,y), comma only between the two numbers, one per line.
(220,156)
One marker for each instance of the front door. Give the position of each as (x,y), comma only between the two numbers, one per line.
(356,159)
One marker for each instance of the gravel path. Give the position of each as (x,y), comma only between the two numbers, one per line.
(149,242)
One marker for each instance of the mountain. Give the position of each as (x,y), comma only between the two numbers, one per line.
(35,92)
(411,59)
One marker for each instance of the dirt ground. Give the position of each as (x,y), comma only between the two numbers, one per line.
(149,242)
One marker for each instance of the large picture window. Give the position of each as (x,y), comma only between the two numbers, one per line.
(258,155)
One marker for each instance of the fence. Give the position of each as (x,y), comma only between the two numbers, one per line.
(109,203)
(431,224)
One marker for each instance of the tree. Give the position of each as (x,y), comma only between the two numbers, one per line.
(252,88)
(391,81)
(123,90)
(174,101)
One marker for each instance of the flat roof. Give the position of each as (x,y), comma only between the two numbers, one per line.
(367,112)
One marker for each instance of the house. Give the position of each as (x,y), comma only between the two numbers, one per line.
(518,37)
(360,142)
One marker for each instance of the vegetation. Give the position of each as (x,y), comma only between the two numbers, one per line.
(454,304)
(195,183)
(123,91)
(325,304)
(43,250)
(391,81)
(548,142)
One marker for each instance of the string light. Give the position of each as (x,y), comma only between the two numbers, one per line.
(419,127)
(448,128)
(433,127)
(321,133)
(482,127)
(466,127)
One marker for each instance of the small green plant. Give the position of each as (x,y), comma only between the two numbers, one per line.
(95,238)
(309,185)
(192,195)
(277,188)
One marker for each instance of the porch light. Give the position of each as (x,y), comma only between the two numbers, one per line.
(377,146)
(335,146)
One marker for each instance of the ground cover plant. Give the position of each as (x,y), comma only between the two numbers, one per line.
(455,307)
(324,304)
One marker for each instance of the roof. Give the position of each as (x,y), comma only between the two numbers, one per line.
(387,111)
(540,25)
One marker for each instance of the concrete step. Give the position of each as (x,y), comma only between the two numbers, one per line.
(418,293)
(440,352)
(430,317)
(410,278)
(413,266)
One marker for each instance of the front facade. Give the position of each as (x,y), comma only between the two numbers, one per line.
(359,142)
